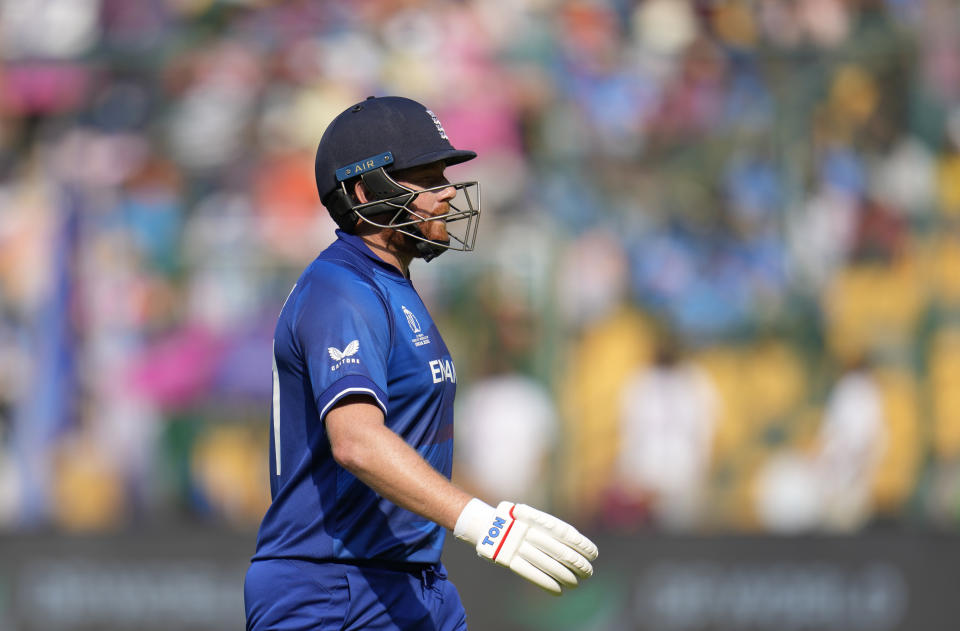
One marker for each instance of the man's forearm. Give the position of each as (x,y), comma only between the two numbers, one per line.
(539,547)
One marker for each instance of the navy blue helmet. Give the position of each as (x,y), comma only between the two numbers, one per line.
(379,136)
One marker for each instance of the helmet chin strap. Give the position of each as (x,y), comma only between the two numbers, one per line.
(427,250)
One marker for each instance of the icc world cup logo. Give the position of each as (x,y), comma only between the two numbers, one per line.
(411,319)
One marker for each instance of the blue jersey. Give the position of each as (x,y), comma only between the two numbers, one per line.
(353,324)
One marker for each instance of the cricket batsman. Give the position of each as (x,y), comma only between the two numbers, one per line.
(361,437)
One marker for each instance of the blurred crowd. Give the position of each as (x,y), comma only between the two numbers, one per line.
(717,281)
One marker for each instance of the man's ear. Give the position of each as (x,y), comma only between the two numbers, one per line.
(360,196)
(360,192)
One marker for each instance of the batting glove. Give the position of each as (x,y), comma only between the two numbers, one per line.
(539,547)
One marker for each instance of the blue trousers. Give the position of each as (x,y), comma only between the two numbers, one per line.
(292,595)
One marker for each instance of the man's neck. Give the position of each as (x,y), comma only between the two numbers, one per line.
(383,246)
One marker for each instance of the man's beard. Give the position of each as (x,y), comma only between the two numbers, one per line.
(426,250)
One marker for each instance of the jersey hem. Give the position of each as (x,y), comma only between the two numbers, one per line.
(383,564)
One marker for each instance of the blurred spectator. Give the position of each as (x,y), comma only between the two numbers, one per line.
(850,444)
(516,413)
(831,486)
(667,420)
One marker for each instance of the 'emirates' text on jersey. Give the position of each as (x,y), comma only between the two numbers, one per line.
(353,325)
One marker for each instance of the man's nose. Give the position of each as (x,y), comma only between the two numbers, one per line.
(447,193)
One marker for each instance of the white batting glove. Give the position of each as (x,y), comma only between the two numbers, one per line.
(539,547)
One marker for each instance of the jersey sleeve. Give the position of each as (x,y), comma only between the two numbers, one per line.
(343,331)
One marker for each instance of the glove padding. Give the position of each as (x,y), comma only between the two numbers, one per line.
(539,547)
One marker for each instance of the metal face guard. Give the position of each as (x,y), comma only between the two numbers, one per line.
(462,220)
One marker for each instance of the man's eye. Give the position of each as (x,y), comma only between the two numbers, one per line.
(435,180)
(425,180)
